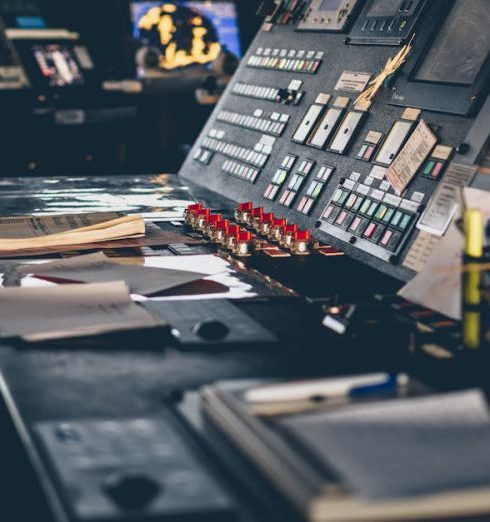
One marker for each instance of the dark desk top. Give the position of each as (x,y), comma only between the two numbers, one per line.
(126,379)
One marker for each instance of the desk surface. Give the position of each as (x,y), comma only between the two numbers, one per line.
(125,379)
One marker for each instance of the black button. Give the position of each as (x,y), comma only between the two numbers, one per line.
(131,491)
(211,330)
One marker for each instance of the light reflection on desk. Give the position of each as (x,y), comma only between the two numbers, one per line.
(227,279)
(159,198)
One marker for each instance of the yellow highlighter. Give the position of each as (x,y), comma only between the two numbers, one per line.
(474,233)
(472,276)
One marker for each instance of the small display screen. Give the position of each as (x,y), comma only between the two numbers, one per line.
(186,32)
(384,8)
(330,5)
(30,22)
(461,47)
(58,65)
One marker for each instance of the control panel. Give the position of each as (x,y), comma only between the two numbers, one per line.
(350,120)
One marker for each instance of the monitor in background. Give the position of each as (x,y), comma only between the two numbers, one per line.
(186,32)
(57,64)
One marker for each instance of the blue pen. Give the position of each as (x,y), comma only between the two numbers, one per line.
(353,386)
(393,382)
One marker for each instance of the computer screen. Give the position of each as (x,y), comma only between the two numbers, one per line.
(186,32)
(461,47)
(57,65)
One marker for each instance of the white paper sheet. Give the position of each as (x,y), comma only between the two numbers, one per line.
(39,314)
(98,268)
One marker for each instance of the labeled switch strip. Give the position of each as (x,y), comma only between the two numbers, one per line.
(302,62)
(239,170)
(231,150)
(288,96)
(273,124)
(315,189)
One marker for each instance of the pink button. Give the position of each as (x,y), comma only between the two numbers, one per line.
(370,230)
(355,224)
(386,238)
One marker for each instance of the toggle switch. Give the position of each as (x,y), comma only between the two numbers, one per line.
(232,235)
(266,223)
(191,211)
(301,242)
(220,232)
(257,214)
(242,213)
(277,228)
(243,245)
(211,222)
(202,216)
(287,237)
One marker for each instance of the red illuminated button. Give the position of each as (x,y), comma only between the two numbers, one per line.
(301,242)
(214,218)
(243,243)
(219,231)
(242,213)
(278,228)
(245,207)
(233,230)
(202,216)
(302,235)
(279,222)
(291,229)
(244,235)
(224,224)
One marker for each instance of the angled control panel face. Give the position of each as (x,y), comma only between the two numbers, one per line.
(291,136)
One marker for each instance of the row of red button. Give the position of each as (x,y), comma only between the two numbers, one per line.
(239,239)
(204,220)
(266,223)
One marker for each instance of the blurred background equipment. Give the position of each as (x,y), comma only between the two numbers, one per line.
(113,86)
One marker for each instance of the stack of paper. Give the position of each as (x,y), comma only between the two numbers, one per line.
(31,232)
(41,314)
(415,446)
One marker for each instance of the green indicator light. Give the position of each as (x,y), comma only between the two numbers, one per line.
(405,221)
(396,218)
(372,209)
(381,212)
(429,167)
(365,206)
(337,195)
(388,215)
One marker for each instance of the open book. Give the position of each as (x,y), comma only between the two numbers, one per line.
(31,232)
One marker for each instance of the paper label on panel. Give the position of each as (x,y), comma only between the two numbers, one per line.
(444,203)
(352,81)
(411,157)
